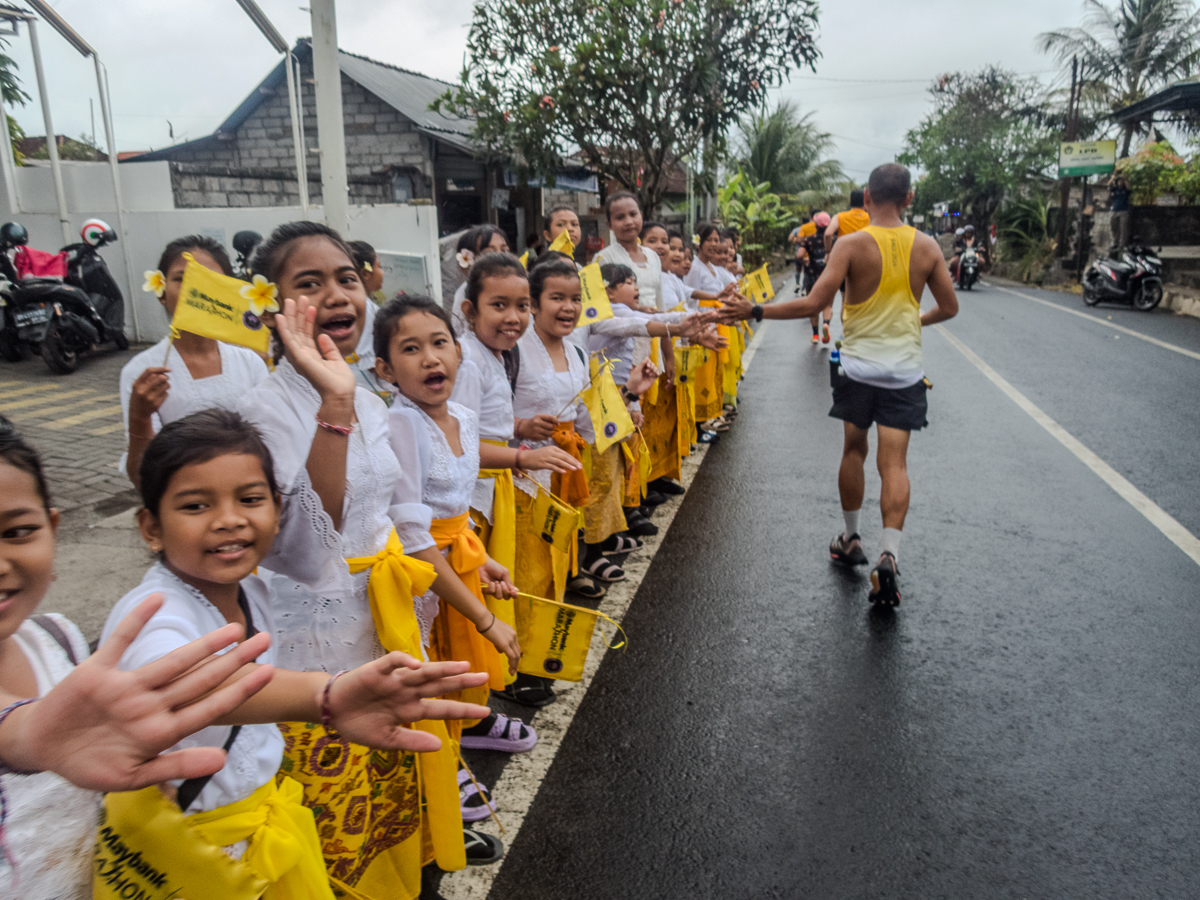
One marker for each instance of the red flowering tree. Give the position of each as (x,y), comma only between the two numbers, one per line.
(628,86)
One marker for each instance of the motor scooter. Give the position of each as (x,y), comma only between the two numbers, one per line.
(1132,276)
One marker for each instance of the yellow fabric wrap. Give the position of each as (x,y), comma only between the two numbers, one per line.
(602,515)
(394,580)
(454,636)
(637,468)
(685,404)
(659,431)
(572,487)
(181,856)
(709,380)
(542,569)
(499,533)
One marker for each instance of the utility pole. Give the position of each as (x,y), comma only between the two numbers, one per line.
(331,131)
(60,194)
(1065,190)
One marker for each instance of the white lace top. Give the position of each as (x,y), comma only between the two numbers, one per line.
(322,616)
(187,616)
(436,484)
(241,370)
(710,279)
(51,825)
(622,347)
(482,386)
(543,391)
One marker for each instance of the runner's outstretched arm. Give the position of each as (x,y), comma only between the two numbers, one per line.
(820,297)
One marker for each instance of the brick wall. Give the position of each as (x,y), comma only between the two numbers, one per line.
(256,167)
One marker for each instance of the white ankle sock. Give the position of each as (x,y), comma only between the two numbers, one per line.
(851,517)
(891,542)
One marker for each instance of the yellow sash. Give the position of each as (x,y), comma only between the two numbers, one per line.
(395,579)
(500,534)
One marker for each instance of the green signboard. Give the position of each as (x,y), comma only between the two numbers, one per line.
(1086,158)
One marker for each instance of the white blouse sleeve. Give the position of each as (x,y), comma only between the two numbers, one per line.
(624,326)
(410,515)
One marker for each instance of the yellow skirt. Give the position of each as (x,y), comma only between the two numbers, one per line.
(660,432)
(499,534)
(602,515)
(685,408)
(542,569)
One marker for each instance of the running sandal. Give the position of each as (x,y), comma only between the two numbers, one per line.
(603,570)
(884,591)
(531,690)
(482,849)
(476,802)
(620,543)
(499,732)
(847,550)
(585,588)
(667,487)
(825,333)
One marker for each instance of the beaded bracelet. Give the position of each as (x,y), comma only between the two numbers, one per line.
(5,768)
(326,715)
(343,430)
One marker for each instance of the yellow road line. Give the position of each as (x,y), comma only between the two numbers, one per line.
(5,395)
(43,400)
(56,410)
(107,429)
(82,417)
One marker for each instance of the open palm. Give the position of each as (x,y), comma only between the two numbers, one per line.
(318,360)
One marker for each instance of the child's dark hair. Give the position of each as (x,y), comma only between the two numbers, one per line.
(195,439)
(15,451)
(491,265)
(558,209)
(707,230)
(616,273)
(552,256)
(478,237)
(182,245)
(364,253)
(619,195)
(673,233)
(551,268)
(387,319)
(271,255)
(647,227)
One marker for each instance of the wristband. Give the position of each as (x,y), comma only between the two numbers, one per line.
(5,768)
(757,312)
(337,429)
(517,461)
(629,396)
(490,624)
(326,715)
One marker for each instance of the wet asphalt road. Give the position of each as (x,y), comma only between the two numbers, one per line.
(1024,726)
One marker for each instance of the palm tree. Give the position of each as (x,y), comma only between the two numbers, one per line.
(1130,50)
(789,152)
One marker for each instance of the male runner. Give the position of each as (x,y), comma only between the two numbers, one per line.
(848,221)
(813,248)
(798,234)
(881,378)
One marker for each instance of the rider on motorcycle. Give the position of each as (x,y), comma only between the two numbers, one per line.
(968,239)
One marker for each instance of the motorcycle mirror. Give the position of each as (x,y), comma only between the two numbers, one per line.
(244,242)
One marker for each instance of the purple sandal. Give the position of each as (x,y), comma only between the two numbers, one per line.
(499,732)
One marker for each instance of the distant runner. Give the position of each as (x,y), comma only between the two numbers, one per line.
(881,376)
(813,248)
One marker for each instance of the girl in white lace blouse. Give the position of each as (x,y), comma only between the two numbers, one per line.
(185,375)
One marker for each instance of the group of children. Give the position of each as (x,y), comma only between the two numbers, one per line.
(360,514)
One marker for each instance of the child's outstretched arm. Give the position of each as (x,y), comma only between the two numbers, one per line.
(103,729)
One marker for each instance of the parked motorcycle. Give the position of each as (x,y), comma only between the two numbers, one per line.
(968,268)
(1132,276)
(62,318)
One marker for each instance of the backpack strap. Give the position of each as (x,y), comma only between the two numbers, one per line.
(190,789)
(55,631)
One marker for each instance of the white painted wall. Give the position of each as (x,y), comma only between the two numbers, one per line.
(153,222)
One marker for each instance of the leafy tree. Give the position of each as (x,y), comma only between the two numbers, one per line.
(14,95)
(789,152)
(630,87)
(1025,239)
(760,216)
(1128,51)
(988,132)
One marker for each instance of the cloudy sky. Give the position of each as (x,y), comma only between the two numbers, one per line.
(191,63)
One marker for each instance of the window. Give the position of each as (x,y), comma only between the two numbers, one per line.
(402,187)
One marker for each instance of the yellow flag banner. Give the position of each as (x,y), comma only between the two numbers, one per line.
(555,637)
(525,259)
(687,361)
(554,521)
(610,418)
(595,297)
(759,284)
(563,244)
(225,309)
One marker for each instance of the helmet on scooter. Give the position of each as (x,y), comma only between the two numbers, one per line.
(13,234)
(96,233)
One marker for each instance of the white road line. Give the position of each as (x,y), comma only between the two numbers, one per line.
(1129,331)
(525,772)
(1160,519)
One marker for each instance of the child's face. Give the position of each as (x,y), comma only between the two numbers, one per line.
(656,239)
(564,220)
(27,532)
(498,244)
(315,268)
(626,292)
(675,256)
(625,220)
(423,359)
(710,248)
(501,314)
(174,277)
(558,310)
(216,522)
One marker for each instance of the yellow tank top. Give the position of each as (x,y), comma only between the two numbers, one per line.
(852,220)
(881,342)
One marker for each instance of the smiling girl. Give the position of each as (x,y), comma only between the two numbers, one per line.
(198,372)
(329,439)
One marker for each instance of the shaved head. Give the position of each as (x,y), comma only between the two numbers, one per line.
(889,183)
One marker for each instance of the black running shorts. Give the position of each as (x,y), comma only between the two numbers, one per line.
(861,404)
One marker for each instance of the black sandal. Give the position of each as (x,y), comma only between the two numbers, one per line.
(529,690)
(482,849)
(620,543)
(585,587)
(602,570)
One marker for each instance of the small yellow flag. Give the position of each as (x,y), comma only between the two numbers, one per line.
(610,418)
(563,244)
(687,361)
(595,296)
(555,522)
(525,259)
(225,309)
(759,284)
